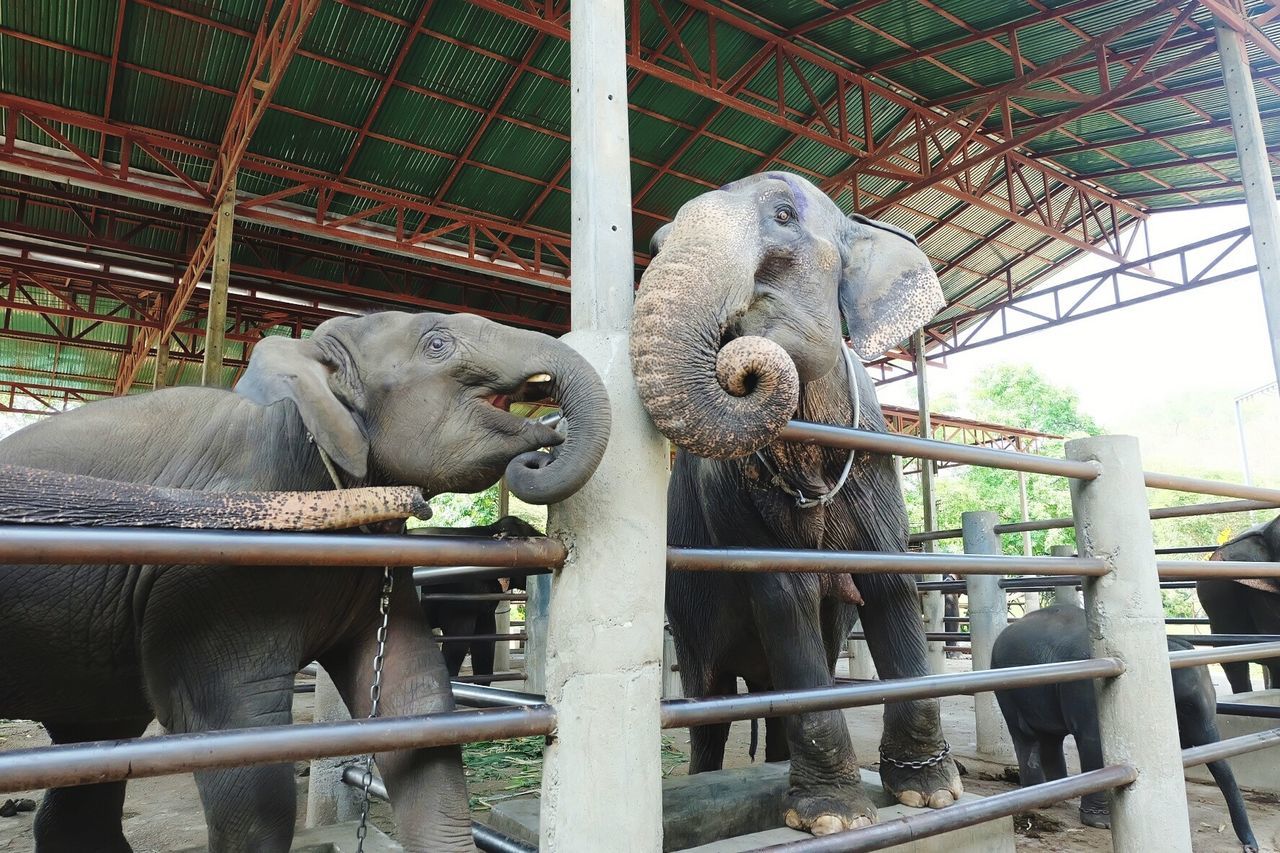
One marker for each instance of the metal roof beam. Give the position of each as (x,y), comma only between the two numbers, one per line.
(1233,16)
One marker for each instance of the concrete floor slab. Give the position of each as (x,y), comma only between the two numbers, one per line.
(338,838)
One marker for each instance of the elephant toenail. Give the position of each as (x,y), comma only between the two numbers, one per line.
(941,799)
(912,799)
(862,820)
(792,817)
(828,824)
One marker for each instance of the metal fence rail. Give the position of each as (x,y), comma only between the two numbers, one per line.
(1230,747)
(903,563)
(1224,654)
(111,761)
(1230,569)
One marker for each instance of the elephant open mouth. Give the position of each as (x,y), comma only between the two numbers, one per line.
(535,389)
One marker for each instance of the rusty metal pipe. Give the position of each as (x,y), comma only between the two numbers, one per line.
(679,713)
(480,638)
(25,545)
(112,761)
(1225,569)
(1230,747)
(1200,657)
(930,823)
(477,696)
(872,562)
(1196,485)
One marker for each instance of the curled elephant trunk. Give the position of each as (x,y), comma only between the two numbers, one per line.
(545,478)
(715,401)
(32,496)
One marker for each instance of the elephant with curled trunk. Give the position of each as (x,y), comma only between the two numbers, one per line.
(737,329)
(96,652)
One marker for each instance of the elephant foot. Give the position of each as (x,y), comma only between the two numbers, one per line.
(920,781)
(827,809)
(1095,811)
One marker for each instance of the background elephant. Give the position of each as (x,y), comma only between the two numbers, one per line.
(737,328)
(1245,605)
(1039,718)
(455,618)
(96,652)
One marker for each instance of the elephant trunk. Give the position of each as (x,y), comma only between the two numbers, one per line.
(712,394)
(545,478)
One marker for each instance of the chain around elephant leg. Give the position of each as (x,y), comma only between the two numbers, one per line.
(915,760)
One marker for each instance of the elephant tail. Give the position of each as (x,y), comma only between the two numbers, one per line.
(1235,804)
(755,739)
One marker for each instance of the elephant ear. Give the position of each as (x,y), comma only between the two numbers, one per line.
(302,371)
(888,288)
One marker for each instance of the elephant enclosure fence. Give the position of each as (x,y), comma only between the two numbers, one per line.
(1118,569)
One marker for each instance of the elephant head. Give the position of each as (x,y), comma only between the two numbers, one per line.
(1258,544)
(742,304)
(422,400)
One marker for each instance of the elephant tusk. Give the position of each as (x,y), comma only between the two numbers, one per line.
(33,496)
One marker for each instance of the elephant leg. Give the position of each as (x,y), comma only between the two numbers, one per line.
(1030,767)
(826,793)
(1198,726)
(1095,808)
(1228,606)
(912,730)
(706,743)
(455,624)
(85,818)
(427,787)
(482,651)
(1052,758)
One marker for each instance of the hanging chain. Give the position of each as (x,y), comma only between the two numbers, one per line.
(375,696)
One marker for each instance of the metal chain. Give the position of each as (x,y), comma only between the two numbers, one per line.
(917,764)
(375,696)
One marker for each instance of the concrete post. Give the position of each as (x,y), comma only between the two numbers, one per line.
(501,649)
(329,800)
(161,377)
(988,616)
(602,771)
(1066,594)
(1255,172)
(1126,621)
(931,602)
(671,687)
(537,612)
(860,663)
(216,325)
(1030,600)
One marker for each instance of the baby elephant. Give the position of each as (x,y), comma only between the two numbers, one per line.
(1039,718)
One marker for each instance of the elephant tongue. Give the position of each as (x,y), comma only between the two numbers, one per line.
(501,401)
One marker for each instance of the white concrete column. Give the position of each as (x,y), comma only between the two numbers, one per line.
(1126,621)
(671,686)
(1255,172)
(988,616)
(502,625)
(860,663)
(537,612)
(602,773)
(932,605)
(329,799)
(1067,593)
(1030,600)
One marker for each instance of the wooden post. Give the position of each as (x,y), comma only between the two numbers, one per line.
(216,326)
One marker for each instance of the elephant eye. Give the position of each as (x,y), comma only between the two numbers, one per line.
(436,344)
(784,214)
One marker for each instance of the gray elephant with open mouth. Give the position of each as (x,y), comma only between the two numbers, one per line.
(97,652)
(737,329)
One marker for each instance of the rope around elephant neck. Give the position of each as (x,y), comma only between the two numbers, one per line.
(802,501)
(379,656)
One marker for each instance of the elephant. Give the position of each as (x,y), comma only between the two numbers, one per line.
(472,617)
(1039,718)
(1246,605)
(392,398)
(737,329)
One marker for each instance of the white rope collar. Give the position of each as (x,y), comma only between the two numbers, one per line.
(802,500)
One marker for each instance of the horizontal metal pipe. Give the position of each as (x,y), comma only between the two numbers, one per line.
(1196,485)
(678,713)
(474,596)
(848,438)
(904,830)
(428,576)
(30,545)
(1243,709)
(111,761)
(1225,569)
(1233,746)
(940,586)
(1158,513)
(478,696)
(1200,657)
(1227,639)
(1032,582)
(497,676)
(872,562)
(931,636)
(480,638)
(1188,549)
(1180,620)
(486,838)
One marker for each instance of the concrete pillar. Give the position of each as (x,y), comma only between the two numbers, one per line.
(1030,600)
(1126,621)
(1255,172)
(671,686)
(161,377)
(932,604)
(502,650)
(988,616)
(1066,594)
(602,771)
(860,663)
(537,612)
(216,326)
(329,800)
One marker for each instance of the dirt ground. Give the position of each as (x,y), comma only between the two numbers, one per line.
(164,814)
